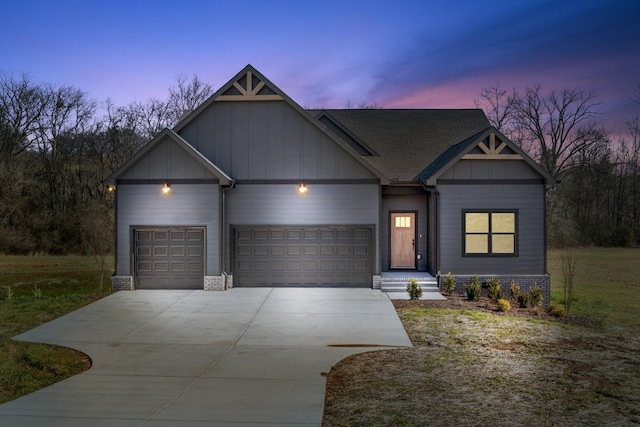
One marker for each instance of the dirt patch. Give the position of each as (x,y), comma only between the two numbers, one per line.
(472,365)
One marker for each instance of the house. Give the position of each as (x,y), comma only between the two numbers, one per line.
(250,189)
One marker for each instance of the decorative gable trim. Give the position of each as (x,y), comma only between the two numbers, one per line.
(259,88)
(485,144)
(249,87)
(489,150)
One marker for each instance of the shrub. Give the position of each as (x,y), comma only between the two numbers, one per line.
(473,288)
(556,310)
(414,290)
(495,289)
(515,290)
(523,299)
(536,296)
(449,284)
(504,305)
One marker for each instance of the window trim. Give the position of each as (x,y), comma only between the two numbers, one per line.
(489,254)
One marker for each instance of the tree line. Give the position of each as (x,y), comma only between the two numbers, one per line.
(56,147)
(597,200)
(55,150)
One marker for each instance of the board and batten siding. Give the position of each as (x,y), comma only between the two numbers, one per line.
(269,140)
(490,169)
(186,205)
(167,160)
(528,199)
(323,204)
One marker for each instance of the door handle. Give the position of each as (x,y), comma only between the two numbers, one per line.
(413,243)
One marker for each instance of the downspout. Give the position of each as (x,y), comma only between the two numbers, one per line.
(547,188)
(436,195)
(232,184)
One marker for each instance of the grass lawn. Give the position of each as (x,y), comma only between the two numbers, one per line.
(472,366)
(607,285)
(33,291)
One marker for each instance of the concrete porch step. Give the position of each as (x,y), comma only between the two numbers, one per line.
(395,283)
(402,287)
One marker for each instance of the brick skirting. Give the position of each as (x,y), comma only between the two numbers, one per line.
(526,281)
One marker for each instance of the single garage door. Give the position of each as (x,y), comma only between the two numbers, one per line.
(303,256)
(169,257)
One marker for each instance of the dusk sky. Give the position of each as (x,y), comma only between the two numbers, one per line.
(399,54)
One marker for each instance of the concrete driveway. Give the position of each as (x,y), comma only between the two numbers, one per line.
(245,357)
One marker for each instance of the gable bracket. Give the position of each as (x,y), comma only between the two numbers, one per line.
(492,152)
(250,93)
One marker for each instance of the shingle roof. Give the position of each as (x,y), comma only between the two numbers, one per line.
(408,141)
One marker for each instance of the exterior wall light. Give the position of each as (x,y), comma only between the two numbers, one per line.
(166,188)
(302,189)
(111,188)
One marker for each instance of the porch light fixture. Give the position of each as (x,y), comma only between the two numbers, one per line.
(302,189)
(166,188)
(111,188)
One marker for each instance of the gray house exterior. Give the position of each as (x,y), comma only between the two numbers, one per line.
(216,202)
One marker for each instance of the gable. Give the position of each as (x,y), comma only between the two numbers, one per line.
(253,131)
(269,140)
(167,160)
(490,156)
(168,156)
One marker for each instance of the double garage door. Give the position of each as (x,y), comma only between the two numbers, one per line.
(169,257)
(302,256)
(174,257)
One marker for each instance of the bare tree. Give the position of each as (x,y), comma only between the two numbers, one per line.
(187,95)
(498,106)
(635,94)
(558,126)
(67,114)
(21,105)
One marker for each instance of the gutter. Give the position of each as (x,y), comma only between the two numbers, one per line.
(232,185)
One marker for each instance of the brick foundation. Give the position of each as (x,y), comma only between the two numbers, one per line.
(526,281)
(377,281)
(214,283)
(121,283)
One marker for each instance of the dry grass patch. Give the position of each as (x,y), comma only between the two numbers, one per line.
(473,367)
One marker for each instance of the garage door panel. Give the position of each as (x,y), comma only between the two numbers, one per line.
(244,249)
(327,250)
(195,251)
(177,235)
(161,236)
(177,251)
(310,250)
(344,249)
(178,267)
(303,256)
(143,250)
(277,249)
(361,249)
(160,251)
(169,258)
(144,266)
(160,266)
(294,250)
(293,235)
